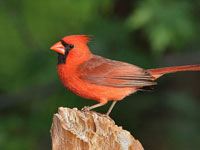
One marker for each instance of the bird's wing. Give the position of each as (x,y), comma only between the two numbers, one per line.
(106,72)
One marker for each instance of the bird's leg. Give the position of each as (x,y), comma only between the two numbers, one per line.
(111,107)
(86,108)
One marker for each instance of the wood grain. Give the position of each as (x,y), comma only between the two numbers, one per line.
(87,130)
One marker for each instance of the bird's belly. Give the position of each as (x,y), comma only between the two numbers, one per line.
(93,91)
(97,92)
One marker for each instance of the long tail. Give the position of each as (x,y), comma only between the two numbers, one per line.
(158,72)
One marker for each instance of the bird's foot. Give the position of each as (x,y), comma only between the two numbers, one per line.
(88,108)
(85,108)
(106,116)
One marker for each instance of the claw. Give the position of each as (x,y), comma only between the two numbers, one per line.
(85,108)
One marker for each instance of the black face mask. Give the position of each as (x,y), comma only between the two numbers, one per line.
(61,57)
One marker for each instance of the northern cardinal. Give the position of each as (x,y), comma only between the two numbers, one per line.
(101,79)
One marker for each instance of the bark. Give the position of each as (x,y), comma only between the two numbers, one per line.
(87,130)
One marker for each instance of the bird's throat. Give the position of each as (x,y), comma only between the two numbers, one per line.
(62,58)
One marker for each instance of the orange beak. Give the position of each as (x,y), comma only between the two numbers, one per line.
(59,48)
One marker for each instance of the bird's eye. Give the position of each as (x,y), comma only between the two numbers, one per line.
(71,46)
(66,45)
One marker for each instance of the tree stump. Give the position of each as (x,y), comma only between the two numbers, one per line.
(87,130)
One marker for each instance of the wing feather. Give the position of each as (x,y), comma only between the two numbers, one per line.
(106,72)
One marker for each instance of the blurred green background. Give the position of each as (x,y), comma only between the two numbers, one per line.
(148,33)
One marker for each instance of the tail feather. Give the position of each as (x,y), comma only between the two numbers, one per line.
(156,73)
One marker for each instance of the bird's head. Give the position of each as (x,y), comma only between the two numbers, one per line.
(74,47)
(69,43)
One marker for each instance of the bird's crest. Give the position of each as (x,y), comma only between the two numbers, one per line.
(77,38)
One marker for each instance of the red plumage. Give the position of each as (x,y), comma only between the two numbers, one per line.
(97,78)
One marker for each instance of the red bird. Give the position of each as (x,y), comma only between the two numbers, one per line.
(101,79)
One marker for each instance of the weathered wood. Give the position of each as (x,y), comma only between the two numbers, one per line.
(87,130)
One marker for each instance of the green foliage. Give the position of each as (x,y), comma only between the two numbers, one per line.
(166,23)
